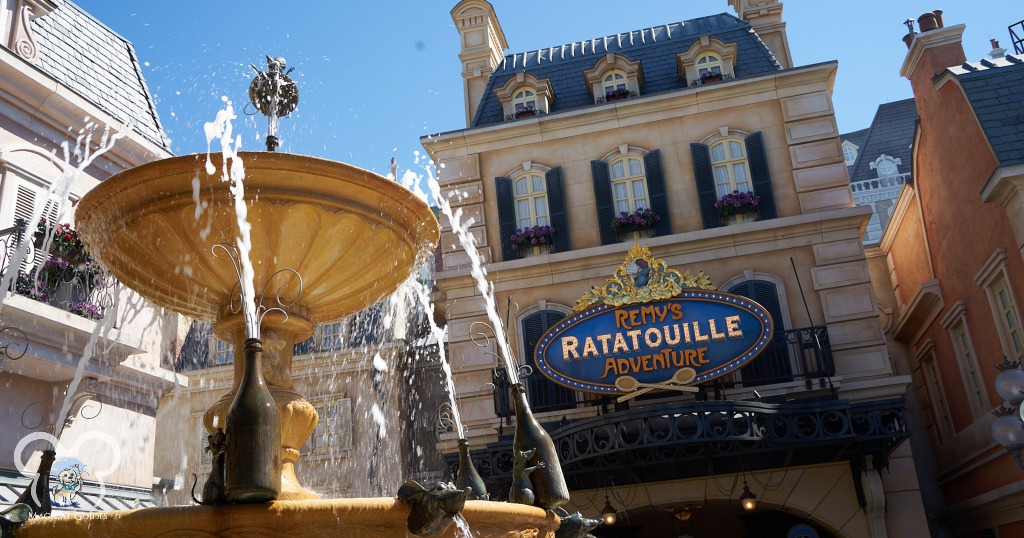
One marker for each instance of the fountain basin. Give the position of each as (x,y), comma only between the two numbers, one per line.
(368,517)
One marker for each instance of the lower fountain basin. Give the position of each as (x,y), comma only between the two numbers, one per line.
(383,517)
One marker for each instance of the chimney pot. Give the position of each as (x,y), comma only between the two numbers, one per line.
(927,22)
(938,18)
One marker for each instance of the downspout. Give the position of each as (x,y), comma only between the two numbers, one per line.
(917,195)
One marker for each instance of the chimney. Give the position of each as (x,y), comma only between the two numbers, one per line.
(996,51)
(483,46)
(932,50)
(765,17)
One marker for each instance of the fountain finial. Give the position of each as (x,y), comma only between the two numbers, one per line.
(274,94)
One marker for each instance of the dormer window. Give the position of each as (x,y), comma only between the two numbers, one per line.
(707,61)
(525,103)
(886,165)
(613,78)
(849,152)
(525,96)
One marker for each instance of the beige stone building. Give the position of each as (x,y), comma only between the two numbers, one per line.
(671,119)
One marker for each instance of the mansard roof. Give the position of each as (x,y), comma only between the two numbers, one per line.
(995,89)
(656,48)
(891,133)
(101,66)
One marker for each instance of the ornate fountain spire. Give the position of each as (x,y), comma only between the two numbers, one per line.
(274,95)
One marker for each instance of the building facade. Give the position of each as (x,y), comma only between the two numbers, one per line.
(951,262)
(668,121)
(83,359)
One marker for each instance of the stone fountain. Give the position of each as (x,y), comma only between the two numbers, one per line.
(155,227)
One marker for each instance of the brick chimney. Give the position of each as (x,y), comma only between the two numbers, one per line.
(765,17)
(931,51)
(483,46)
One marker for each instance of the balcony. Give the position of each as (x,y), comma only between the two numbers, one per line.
(65,278)
(694,439)
(803,354)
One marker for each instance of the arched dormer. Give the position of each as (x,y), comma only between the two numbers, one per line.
(614,77)
(707,61)
(525,96)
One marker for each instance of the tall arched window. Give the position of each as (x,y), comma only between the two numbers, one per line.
(543,394)
(729,163)
(613,82)
(629,184)
(531,200)
(773,365)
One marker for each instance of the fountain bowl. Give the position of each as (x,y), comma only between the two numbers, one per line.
(352,235)
(367,517)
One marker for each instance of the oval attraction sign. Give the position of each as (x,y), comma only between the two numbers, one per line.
(651,327)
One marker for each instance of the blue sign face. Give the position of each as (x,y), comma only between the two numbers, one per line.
(713,333)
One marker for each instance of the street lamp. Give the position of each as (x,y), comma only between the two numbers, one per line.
(608,513)
(1008,427)
(747,499)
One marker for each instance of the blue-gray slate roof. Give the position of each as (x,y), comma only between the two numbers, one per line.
(656,48)
(857,138)
(101,66)
(995,89)
(891,133)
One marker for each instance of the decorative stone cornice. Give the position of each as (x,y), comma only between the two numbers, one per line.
(928,40)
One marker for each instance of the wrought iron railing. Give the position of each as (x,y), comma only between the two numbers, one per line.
(690,439)
(712,79)
(69,280)
(802,354)
(1017,36)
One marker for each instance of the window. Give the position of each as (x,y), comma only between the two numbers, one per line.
(886,166)
(334,432)
(331,335)
(849,153)
(731,160)
(627,180)
(531,200)
(936,394)
(629,184)
(24,207)
(223,352)
(525,101)
(708,66)
(544,394)
(994,278)
(955,321)
(614,86)
(773,365)
(614,77)
(729,163)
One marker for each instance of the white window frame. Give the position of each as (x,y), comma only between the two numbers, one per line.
(614,80)
(332,334)
(629,181)
(525,100)
(535,197)
(885,161)
(935,393)
(317,446)
(221,353)
(724,168)
(994,278)
(709,63)
(850,152)
(955,323)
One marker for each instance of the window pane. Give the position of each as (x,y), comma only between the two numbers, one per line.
(739,173)
(716,70)
(718,153)
(635,168)
(735,150)
(538,184)
(521,187)
(620,191)
(540,205)
(523,209)
(622,206)
(703,60)
(639,192)
(617,170)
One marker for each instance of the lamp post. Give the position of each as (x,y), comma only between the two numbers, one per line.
(1008,427)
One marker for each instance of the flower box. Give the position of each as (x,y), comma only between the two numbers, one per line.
(616,95)
(738,203)
(533,240)
(528,113)
(636,225)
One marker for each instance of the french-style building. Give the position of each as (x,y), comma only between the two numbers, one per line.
(667,121)
(951,275)
(81,358)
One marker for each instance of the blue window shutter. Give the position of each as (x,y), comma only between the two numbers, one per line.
(556,208)
(605,205)
(656,190)
(544,394)
(773,365)
(705,178)
(506,217)
(760,176)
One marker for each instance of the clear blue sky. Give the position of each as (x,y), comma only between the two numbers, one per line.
(375,76)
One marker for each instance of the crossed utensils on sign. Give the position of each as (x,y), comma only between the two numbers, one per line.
(679,381)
